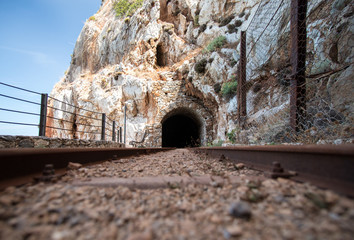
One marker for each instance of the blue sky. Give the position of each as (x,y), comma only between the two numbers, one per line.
(37,39)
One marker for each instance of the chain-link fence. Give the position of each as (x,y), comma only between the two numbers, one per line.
(296,85)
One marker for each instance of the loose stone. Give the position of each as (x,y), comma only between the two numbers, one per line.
(240,209)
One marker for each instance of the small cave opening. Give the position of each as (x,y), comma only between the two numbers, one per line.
(181,131)
(160,56)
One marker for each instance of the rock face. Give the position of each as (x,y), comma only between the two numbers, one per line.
(146,62)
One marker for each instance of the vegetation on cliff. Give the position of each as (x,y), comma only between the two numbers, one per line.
(127,7)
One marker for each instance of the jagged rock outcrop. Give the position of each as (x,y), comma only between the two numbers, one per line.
(147,61)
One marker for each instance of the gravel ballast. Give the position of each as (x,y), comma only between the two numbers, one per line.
(251,209)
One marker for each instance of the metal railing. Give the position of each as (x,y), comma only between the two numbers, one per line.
(74,122)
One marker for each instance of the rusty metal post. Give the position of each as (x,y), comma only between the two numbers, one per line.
(120,134)
(238,95)
(125,125)
(103,128)
(114,131)
(241,89)
(298,64)
(43,114)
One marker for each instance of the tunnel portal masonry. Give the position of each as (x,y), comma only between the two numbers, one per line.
(183,123)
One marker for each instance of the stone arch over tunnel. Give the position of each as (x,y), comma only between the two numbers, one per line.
(188,108)
(181,128)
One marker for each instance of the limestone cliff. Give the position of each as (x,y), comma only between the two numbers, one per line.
(153,63)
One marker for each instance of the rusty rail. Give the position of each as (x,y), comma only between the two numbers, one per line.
(326,166)
(20,165)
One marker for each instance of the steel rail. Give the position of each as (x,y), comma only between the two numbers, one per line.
(18,123)
(18,166)
(22,89)
(17,111)
(326,166)
(19,99)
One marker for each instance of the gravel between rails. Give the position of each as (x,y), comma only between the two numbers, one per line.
(267,209)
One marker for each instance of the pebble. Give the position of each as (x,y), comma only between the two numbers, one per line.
(141,236)
(240,166)
(234,230)
(74,166)
(240,209)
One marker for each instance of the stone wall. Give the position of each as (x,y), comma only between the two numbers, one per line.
(44,142)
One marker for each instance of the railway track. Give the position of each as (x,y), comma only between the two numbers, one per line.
(326,166)
(198,193)
(19,166)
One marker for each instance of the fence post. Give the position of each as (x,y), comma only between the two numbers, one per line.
(238,95)
(125,124)
(241,89)
(103,128)
(120,134)
(114,131)
(43,115)
(298,64)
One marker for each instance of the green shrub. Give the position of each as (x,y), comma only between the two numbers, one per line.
(216,43)
(229,89)
(92,18)
(127,7)
(200,66)
(232,136)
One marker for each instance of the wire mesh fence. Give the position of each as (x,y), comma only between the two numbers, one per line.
(59,118)
(298,82)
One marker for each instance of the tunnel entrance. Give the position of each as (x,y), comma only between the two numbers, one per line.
(180,131)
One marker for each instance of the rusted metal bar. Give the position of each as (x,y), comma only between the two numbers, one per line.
(327,166)
(238,95)
(243,60)
(43,115)
(298,64)
(241,86)
(114,131)
(103,128)
(125,124)
(120,135)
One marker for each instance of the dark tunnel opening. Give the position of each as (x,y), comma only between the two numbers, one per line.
(160,56)
(180,131)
